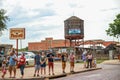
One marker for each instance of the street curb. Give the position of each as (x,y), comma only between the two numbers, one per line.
(66,74)
(35,78)
(57,76)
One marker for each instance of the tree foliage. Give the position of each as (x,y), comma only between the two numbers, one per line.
(114,28)
(3,20)
(23,49)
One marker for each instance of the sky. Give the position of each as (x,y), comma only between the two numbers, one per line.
(45,18)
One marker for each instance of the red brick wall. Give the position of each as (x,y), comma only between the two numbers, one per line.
(47,44)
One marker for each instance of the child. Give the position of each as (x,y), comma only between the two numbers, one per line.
(72,60)
(4,70)
(94,63)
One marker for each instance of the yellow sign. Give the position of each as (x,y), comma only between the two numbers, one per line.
(17,33)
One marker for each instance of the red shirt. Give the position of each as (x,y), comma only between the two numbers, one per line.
(22,60)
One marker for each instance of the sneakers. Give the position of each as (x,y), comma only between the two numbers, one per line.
(53,74)
(63,71)
(34,75)
(37,75)
(72,71)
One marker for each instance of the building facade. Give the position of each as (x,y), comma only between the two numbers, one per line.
(47,44)
(50,43)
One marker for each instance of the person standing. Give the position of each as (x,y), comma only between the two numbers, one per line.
(64,59)
(43,63)
(84,57)
(94,63)
(72,60)
(4,70)
(50,57)
(37,64)
(12,63)
(22,62)
(89,60)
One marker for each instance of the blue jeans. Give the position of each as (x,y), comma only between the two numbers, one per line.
(22,69)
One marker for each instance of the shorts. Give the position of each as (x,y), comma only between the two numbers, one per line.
(63,65)
(50,64)
(84,59)
(43,65)
(12,68)
(72,64)
(37,67)
(4,71)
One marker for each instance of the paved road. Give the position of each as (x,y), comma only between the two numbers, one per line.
(108,72)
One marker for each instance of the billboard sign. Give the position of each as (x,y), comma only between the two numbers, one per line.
(17,33)
(74,31)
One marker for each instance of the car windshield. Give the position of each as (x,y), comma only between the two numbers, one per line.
(27,57)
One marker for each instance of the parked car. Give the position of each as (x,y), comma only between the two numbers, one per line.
(30,54)
(29,59)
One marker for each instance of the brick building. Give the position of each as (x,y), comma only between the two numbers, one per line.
(47,44)
(50,43)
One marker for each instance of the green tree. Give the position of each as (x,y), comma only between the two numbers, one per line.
(114,28)
(23,49)
(3,20)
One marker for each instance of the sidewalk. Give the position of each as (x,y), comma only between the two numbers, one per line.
(116,62)
(57,68)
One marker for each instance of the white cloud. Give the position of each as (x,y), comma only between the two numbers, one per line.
(45,18)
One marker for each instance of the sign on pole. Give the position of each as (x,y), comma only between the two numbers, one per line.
(17,33)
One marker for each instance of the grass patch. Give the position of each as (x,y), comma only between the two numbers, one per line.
(100,61)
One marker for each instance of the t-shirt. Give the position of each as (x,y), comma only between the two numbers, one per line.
(72,58)
(12,62)
(22,60)
(37,59)
(64,58)
(50,57)
(83,57)
(3,65)
(43,58)
(89,56)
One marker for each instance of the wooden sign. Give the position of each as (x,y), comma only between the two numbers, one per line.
(17,33)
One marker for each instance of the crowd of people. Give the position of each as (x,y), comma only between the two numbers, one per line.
(88,59)
(41,60)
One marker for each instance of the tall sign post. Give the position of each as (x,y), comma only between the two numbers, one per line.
(16,34)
